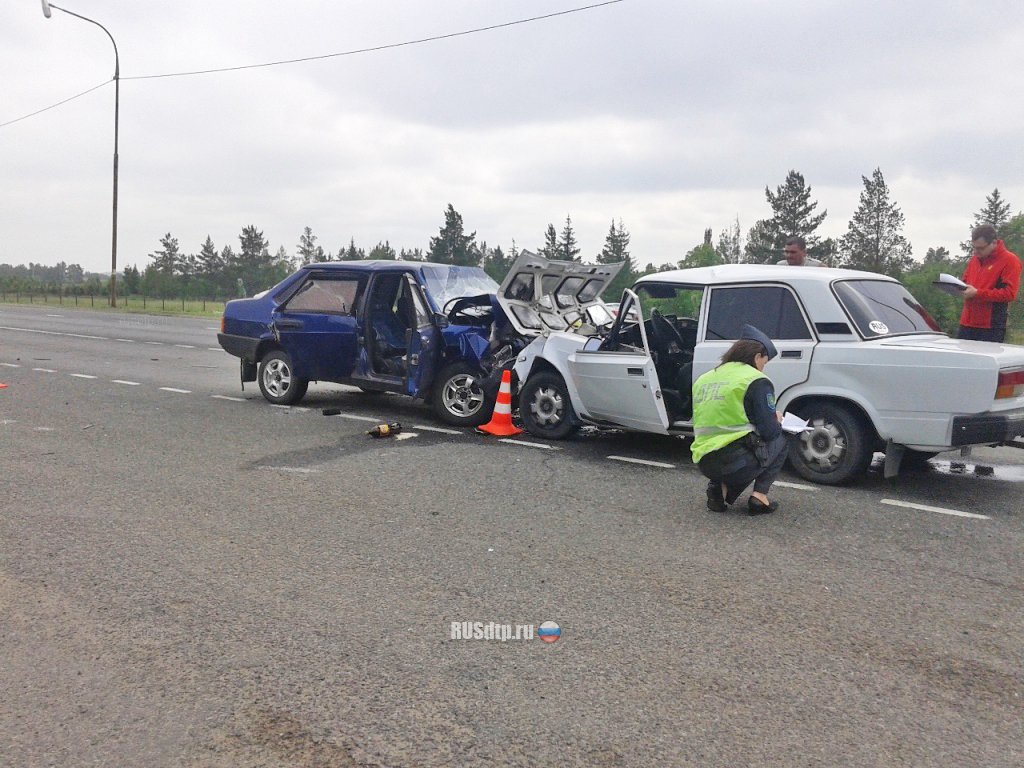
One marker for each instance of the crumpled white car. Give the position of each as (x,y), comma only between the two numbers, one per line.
(859,358)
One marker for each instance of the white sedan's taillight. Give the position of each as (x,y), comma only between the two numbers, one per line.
(1010,384)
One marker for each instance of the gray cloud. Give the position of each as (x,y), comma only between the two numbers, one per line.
(671,116)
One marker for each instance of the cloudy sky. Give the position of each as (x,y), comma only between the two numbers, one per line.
(672,116)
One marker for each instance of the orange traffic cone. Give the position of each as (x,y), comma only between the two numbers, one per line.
(501,420)
(3,386)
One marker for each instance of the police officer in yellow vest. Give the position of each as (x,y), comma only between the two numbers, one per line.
(737,437)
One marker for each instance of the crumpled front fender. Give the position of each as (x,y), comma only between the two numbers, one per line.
(472,347)
(527,357)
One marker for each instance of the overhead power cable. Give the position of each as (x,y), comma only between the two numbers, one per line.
(52,106)
(353,52)
(378,47)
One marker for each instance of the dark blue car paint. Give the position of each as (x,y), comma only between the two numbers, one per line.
(328,347)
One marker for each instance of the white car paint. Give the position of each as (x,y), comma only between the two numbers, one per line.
(911,388)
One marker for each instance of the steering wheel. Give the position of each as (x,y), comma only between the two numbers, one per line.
(664,333)
(468,310)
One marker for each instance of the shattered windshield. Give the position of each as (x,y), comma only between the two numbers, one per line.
(881,308)
(445,283)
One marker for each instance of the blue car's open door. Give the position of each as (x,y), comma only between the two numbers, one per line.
(423,341)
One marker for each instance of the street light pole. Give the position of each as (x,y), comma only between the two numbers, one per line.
(117,104)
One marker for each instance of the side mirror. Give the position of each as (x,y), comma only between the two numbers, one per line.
(46,9)
(441,320)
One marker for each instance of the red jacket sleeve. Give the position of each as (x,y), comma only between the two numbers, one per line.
(1011,277)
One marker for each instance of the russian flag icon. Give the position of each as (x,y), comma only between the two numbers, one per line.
(549,632)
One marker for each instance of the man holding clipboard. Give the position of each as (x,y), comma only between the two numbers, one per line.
(991,281)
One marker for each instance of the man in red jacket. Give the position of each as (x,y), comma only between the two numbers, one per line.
(992,277)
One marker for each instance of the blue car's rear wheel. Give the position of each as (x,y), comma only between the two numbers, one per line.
(278,382)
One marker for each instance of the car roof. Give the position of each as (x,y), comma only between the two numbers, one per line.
(378,265)
(730,273)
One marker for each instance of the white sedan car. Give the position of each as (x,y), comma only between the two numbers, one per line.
(859,358)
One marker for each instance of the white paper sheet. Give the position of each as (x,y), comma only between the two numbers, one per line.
(949,284)
(794,424)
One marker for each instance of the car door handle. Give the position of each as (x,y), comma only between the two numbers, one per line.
(288,323)
(792,353)
(635,371)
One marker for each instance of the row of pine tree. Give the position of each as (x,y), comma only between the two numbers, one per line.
(874,242)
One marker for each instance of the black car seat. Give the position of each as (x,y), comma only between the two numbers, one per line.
(388,331)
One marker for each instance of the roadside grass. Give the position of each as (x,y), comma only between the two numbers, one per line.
(125,304)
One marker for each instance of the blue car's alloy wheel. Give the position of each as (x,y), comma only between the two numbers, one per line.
(458,398)
(278,383)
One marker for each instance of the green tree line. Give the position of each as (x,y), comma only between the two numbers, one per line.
(873,241)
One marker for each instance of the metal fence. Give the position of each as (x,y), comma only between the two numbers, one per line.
(126,302)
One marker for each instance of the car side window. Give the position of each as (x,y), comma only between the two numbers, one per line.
(773,309)
(318,294)
(419,306)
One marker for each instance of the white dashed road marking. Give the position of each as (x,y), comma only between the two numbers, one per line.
(526,444)
(798,486)
(185,346)
(30,330)
(940,510)
(442,430)
(661,464)
(354,417)
(154,343)
(84,336)
(438,429)
(126,341)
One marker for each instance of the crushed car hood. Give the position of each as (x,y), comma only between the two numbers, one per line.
(542,295)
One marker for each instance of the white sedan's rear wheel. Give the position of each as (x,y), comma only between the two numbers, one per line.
(835,450)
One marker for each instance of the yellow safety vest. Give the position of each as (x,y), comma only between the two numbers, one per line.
(718,414)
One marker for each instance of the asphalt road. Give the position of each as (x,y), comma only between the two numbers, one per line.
(192,577)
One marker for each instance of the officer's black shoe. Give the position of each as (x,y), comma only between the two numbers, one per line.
(757,507)
(716,502)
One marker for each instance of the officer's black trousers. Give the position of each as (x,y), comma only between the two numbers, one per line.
(737,467)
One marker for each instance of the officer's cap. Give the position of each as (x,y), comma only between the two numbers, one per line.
(751,333)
